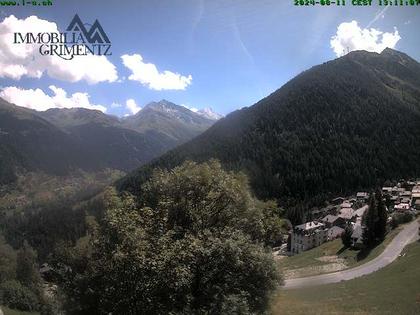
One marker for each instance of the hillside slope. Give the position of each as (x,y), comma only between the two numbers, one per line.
(28,141)
(344,125)
(59,141)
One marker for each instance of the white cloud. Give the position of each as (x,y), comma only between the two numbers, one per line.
(147,74)
(19,60)
(116,105)
(37,99)
(350,36)
(132,106)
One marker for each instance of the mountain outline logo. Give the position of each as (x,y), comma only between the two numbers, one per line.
(79,39)
(94,35)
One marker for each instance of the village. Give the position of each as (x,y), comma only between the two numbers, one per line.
(402,202)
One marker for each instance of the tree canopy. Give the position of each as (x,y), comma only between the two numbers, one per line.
(193,242)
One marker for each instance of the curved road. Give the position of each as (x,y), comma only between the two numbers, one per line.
(408,235)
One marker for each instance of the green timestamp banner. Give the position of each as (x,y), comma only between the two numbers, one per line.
(357,2)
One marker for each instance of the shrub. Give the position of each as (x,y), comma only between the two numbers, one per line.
(401,218)
(17,296)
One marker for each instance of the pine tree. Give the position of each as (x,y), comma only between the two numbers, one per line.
(369,220)
(346,236)
(380,227)
(296,215)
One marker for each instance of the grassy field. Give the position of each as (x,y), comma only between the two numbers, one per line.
(394,289)
(312,259)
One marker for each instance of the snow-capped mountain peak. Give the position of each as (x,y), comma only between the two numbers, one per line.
(209,113)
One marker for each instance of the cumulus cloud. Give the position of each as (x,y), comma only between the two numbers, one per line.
(132,106)
(148,74)
(37,99)
(19,60)
(350,36)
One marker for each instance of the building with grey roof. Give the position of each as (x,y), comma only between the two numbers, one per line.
(308,235)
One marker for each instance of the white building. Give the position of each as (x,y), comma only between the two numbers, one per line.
(307,236)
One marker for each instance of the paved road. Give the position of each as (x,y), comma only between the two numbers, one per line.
(408,235)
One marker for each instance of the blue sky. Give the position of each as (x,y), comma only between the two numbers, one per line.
(236,52)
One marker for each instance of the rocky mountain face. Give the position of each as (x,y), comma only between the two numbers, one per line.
(177,123)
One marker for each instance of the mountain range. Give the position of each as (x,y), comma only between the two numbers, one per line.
(175,123)
(347,124)
(58,141)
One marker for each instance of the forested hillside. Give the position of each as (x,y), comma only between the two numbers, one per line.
(340,126)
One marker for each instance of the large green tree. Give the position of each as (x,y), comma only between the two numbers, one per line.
(192,243)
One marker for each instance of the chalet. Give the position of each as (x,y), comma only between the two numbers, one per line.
(406,193)
(406,200)
(358,214)
(402,207)
(415,197)
(346,204)
(415,194)
(307,236)
(362,196)
(410,184)
(387,190)
(346,213)
(397,191)
(333,220)
(335,232)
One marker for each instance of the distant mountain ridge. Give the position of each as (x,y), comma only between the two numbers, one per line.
(209,113)
(69,117)
(30,142)
(60,140)
(174,121)
(347,124)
